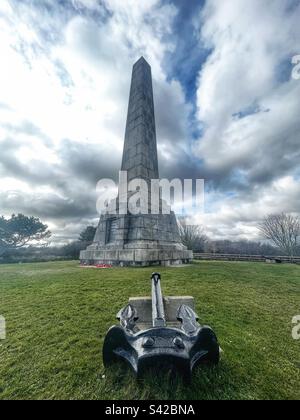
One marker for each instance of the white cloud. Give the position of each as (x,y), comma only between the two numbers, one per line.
(64,83)
(70,76)
(247,73)
(237,217)
(250,42)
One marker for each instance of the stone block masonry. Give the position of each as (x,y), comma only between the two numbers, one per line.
(143,239)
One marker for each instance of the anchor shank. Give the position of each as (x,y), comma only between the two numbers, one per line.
(158,312)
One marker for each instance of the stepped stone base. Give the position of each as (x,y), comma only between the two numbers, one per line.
(136,257)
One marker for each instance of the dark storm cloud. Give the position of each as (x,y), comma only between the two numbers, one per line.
(10,165)
(73,181)
(89,163)
(167,105)
(49,205)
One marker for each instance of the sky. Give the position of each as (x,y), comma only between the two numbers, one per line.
(227,107)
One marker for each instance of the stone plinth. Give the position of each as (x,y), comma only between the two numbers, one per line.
(136,257)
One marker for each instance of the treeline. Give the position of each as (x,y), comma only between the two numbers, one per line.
(41,252)
(195,238)
(72,250)
(242,247)
(281,233)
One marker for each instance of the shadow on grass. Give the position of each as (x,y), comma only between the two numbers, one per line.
(209,382)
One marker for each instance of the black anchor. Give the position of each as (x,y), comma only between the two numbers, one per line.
(182,348)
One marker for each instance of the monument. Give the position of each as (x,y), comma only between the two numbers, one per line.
(138,239)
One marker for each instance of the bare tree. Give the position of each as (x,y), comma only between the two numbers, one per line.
(283,230)
(192,236)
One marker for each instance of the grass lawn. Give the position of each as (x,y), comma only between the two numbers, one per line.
(57,315)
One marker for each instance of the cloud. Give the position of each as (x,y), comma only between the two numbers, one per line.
(232,217)
(249,42)
(89,4)
(221,74)
(65,87)
(248,105)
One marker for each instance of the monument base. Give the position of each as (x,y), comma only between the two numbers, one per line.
(135,257)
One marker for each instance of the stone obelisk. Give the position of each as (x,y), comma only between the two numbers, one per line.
(140,150)
(138,239)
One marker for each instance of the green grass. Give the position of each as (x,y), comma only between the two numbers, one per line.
(57,315)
